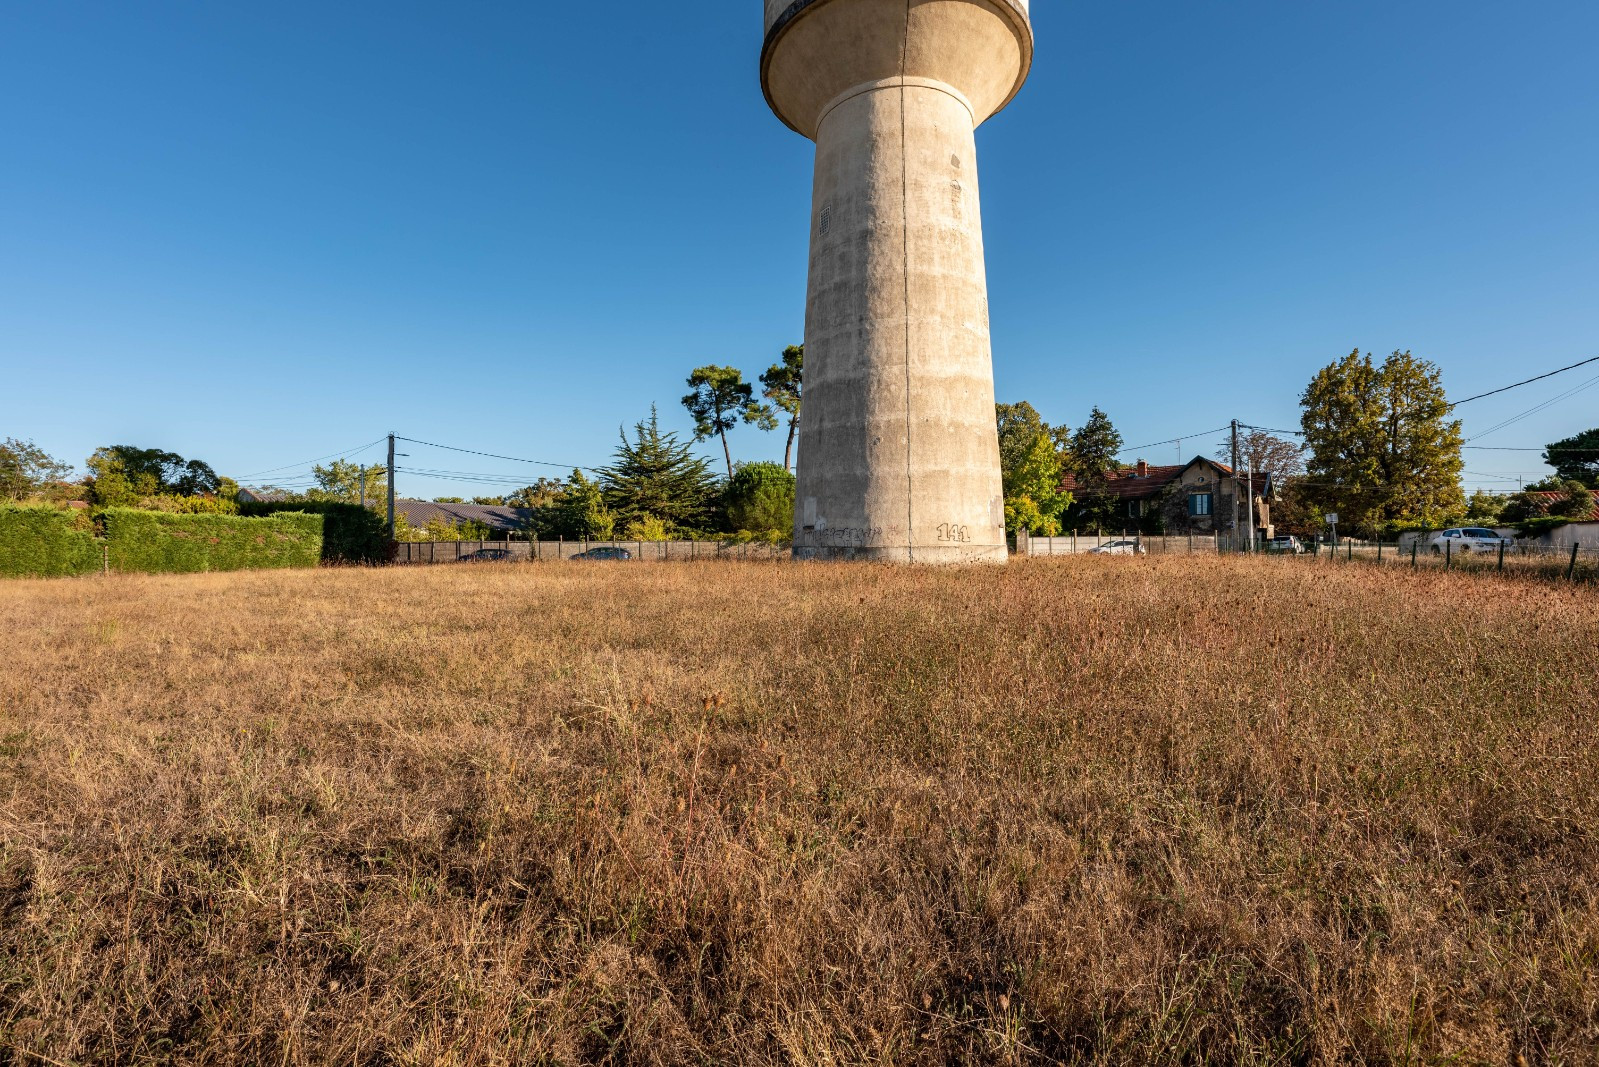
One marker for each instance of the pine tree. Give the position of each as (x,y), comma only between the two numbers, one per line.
(1382,446)
(1576,459)
(657,476)
(781,384)
(1094,449)
(720,401)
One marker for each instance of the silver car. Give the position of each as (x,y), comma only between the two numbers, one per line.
(1117,548)
(1465,539)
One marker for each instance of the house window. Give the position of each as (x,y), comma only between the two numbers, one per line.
(1199,504)
(1135,508)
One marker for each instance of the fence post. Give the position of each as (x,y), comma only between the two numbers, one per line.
(1501,567)
(105,557)
(1379,551)
(1414,545)
(1571,568)
(1449,554)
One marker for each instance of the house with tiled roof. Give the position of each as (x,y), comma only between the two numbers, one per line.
(1582,530)
(1194,497)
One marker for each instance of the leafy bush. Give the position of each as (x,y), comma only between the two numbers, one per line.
(350,533)
(44,543)
(759,498)
(155,543)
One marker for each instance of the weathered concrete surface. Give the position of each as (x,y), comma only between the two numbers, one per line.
(898,453)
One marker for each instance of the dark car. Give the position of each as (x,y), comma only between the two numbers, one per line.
(487,555)
(604,553)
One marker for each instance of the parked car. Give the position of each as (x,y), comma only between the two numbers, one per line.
(604,553)
(1117,548)
(1287,544)
(1466,539)
(487,555)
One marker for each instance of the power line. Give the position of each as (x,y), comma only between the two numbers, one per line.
(1171,440)
(1539,407)
(1529,381)
(319,459)
(492,455)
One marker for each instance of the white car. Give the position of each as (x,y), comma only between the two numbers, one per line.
(1117,548)
(1465,539)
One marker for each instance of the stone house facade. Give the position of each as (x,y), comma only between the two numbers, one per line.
(1194,497)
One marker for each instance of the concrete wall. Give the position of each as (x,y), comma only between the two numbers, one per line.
(425,552)
(1071,546)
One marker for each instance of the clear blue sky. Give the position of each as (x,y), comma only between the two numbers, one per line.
(259,233)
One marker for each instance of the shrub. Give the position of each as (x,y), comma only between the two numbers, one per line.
(155,543)
(44,543)
(760,498)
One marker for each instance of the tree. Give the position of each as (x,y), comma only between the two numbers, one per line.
(720,401)
(578,512)
(1484,508)
(489,501)
(449,500)
(1382,446)
(1091,453)
(657,476)
(342,481)
(1094,449)
(759,499)
(1576,459)
(541,493)
(1033,497)
(122,475)
(26,468)
(781,384)
(1262,452)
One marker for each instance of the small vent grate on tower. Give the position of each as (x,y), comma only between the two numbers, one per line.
(827,217)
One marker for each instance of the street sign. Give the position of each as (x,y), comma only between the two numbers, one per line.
(1332,518)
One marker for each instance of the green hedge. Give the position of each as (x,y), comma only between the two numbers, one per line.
(43,543)
(156,542)
(350,533)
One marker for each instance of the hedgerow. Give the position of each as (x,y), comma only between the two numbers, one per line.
(42,542)
(155,542)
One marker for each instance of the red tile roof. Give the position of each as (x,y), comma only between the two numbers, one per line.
(1550,497)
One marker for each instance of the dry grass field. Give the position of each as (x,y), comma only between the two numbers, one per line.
(1110,811)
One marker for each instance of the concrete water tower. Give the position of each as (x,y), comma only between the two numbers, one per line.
(898,453)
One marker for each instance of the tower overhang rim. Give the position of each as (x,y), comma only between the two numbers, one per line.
(1021,25)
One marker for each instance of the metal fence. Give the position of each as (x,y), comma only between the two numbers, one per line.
(425,552)
(1565,562)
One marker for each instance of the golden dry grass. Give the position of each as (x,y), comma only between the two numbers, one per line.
(1171,810)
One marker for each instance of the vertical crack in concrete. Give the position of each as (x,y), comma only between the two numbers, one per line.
(905,236)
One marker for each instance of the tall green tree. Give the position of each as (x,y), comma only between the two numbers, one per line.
(655,475)
(541,493)
(122,475)
(342,481)
(720,401)
(26,469)
(781,384)
(1031,468)
(1090,455)
(1382,446)
(1094,448)
(759,499)
(578,512)
(1576,459)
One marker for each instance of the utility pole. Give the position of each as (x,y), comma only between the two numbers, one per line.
(391,487)
(1235,485)
(1249,465)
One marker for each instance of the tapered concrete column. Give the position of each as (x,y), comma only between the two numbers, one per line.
(898,453)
